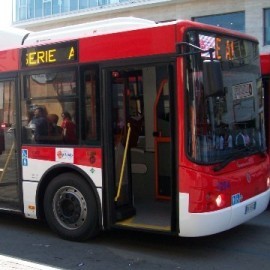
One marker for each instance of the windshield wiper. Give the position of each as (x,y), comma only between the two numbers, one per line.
(239,154)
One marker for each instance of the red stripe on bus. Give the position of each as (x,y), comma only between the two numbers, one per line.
(136,43)
(88,157)
(40,153)
(9,60)
(91,157)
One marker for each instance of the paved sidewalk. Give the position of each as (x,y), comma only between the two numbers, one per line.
(10,263)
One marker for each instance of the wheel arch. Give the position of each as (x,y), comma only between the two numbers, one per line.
(56,171)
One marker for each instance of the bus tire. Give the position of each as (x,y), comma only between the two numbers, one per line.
(70,207)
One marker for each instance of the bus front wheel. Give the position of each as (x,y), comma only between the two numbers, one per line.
(70,207)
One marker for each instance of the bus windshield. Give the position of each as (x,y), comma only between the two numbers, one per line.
(221,124)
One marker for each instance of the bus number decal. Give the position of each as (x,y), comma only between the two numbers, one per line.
(236,198)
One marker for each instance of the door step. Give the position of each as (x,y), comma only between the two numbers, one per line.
(125,212)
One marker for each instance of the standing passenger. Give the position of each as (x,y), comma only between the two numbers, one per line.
(40,125)
(69,129)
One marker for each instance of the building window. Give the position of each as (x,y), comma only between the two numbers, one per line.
(267,26)
(38,9)
(84,4)
(233,21)
(47,7)
(22,8)
(74,5)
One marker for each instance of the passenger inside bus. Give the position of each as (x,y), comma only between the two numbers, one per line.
(69,129)
(40,124)
(55,131)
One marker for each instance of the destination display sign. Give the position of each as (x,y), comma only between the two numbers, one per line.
(226,48)
(49,54)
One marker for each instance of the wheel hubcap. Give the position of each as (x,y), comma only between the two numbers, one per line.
(69,207)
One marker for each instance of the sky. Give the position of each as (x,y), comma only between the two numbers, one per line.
(5,13)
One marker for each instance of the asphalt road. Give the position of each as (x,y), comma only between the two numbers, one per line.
(245,247)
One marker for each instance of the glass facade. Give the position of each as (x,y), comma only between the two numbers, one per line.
(233,21)
(38,9)
(267,26)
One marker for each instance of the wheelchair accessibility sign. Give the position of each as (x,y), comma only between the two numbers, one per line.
(24,157)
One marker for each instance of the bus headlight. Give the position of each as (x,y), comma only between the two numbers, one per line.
(220,200)
(268,182)
(216,201)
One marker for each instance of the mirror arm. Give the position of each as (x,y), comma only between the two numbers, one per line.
(180,45)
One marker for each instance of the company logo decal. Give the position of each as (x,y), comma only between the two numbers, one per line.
(64,155)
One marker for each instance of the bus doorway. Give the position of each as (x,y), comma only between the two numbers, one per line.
(141,106)
(9,193)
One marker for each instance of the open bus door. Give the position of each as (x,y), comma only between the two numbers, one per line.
(9,188)
(162,141)
(126,134)
(137,106)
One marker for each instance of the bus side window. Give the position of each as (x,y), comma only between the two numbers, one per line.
(55,93)
(90,111)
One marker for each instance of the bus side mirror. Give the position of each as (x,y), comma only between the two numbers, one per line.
(212,78)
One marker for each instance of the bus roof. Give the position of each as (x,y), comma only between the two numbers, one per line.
(87,29)
(12,37)
(17,38)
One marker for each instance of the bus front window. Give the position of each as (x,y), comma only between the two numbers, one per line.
(220,126)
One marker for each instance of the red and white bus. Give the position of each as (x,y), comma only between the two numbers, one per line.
(128,123)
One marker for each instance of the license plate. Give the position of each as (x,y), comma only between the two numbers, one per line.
(250,207)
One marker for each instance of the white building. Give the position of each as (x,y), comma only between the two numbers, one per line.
(252,17)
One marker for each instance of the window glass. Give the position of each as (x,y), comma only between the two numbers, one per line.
(31,9)
(22,8)
(233,21)
(56,7)
(230,121)
(103,2)
(267,26)
(83,4)
(7,103)
(74,5)
(50,108)
(65,5)
(90,103)
(47,7)
(51,112)
(38,8)
(8,144)
(93,3)
(50,84)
